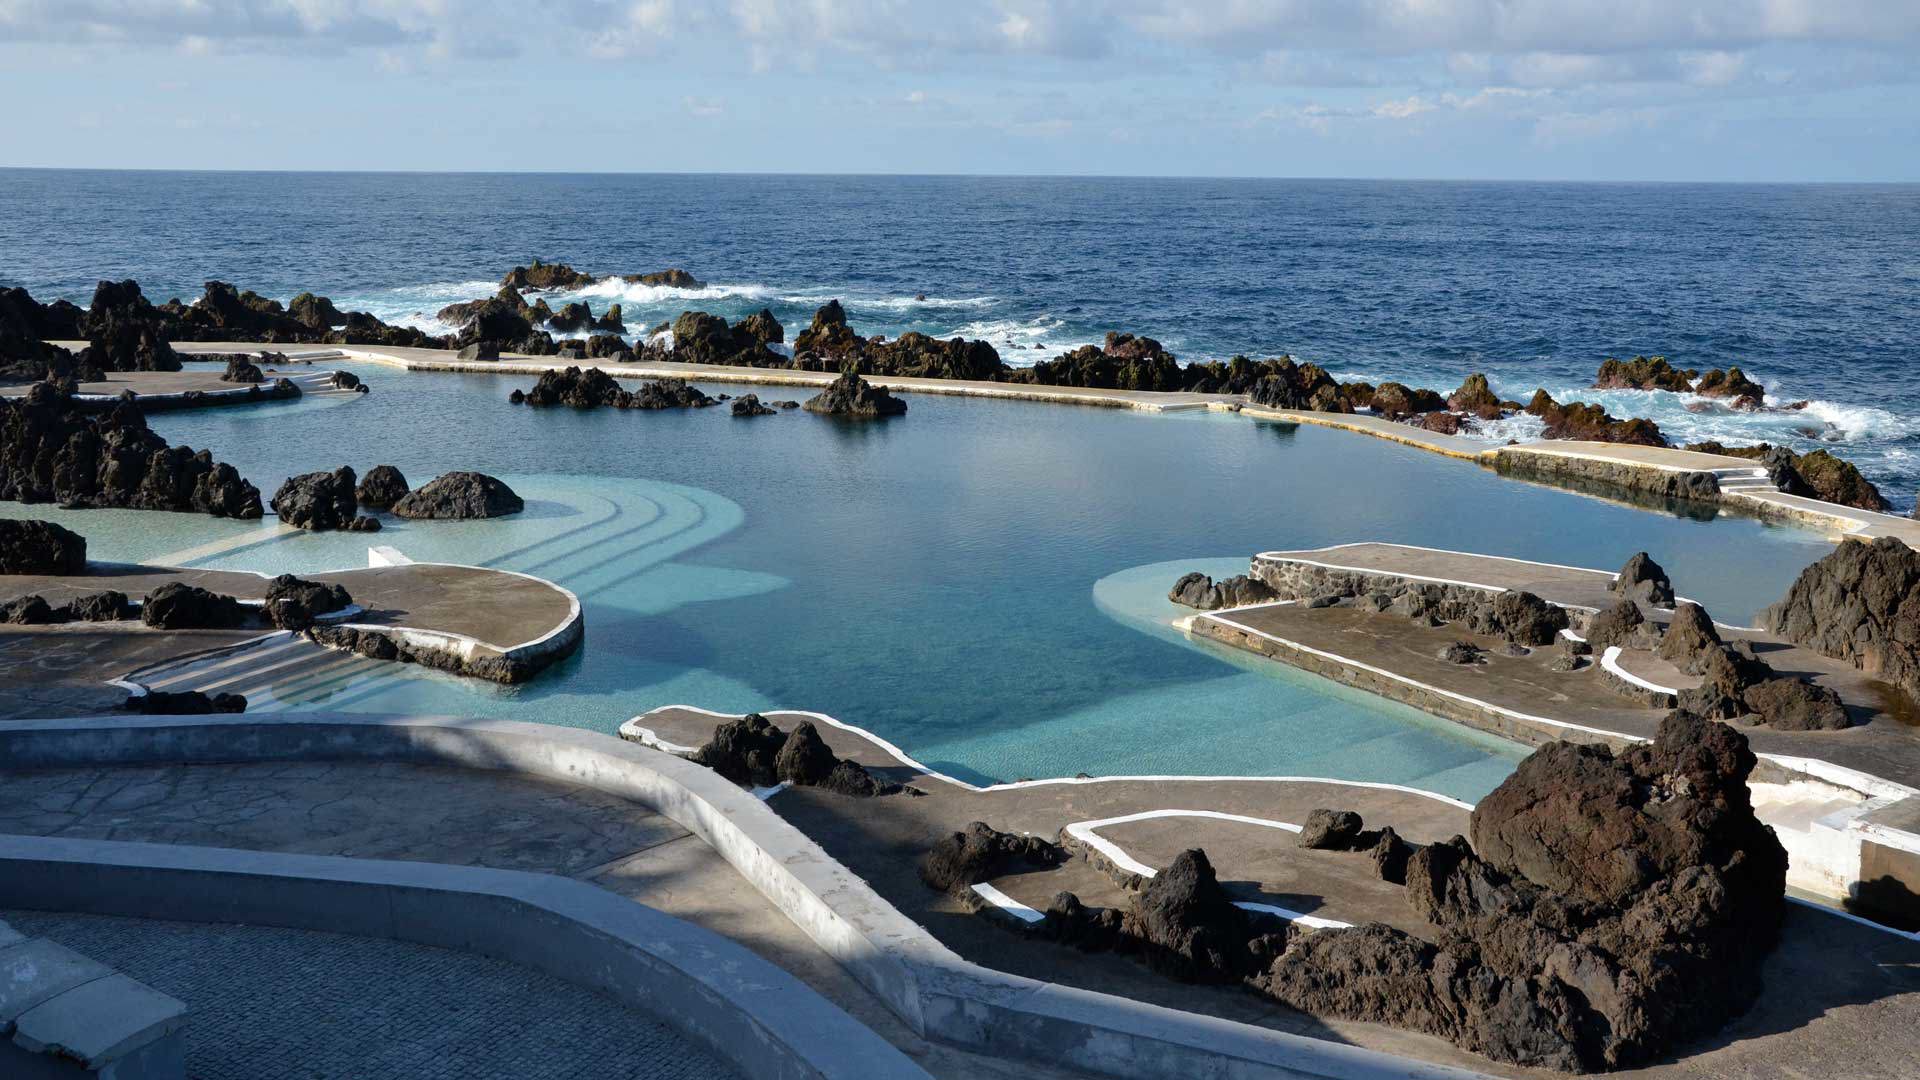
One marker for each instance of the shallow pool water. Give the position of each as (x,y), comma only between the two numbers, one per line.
(982,582)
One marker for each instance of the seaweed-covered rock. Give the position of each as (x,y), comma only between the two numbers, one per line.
(179,606)
(1475,398)
(383,486)
(852,396)
(1642,373)
(295,604)
(40,547)
(184,703)
(459,496)
(959,861)
(1643,579)
(1732,384)
(318,501)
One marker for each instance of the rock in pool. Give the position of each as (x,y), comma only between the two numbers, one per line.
(460,496)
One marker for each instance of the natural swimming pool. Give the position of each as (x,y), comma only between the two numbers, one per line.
(982,582)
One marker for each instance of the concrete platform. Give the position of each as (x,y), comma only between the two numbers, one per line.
(473,613)
(158,390)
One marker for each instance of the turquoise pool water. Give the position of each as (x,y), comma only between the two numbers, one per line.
(982,582)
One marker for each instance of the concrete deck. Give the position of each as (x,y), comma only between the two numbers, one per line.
(1831,980)
(65,668)
(171,389)
(469,818)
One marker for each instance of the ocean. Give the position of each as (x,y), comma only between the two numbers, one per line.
(1813,289)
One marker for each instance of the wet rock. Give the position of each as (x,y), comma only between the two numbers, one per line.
(1861,604)
(1396,401)
(852,396)
(242,370)
(496,326)
(184,703)
(1463,652)
(1475,399)
(543,275)
(460,496)
(40,547)
(1643,579)
(1186,924)
(347,380)
(1301,387)
(1440,423)
(53,451)
(1330,830)
(1689,638)
(295,604)
(318,501)
(1732,384)
(670,394)
(700,338)
(1578,420)
(670,279)
(749,405)
(961,860)
(383,486)
(571,318)
(179,606)
(1643,373)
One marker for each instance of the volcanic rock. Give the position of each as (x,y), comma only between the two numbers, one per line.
(961,860)
(479,350)
(383,486)
(1462,652)
(32,610)
(1396,401)
(1643,579)
(1643,373)
(1305,387)
(184,703)
(317,312)
(1475,399)
(125,332)
(1733,384)
(1330,830)
(1578,420)
(318,501)
(670,278)
(242,370)
(700,338)
(40,547)
(109,605)
(744,751)
(852,396)
(459,496)
(545,276)
(749,405)
(1689,638)
(1816,475)
(1518,616)
(1861,604)
(1187,926)
(1197,590)
(670,394)
(1440,423)
(179,606)
(1622,625)
(294,604)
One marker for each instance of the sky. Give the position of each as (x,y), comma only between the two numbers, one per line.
(1714,90)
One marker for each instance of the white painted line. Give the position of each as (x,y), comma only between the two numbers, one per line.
(1610,660)
(1314,921)
(1007,904)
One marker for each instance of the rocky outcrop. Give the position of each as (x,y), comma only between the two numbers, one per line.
(1590,423)
(498,325)
(383,486)
(40,547)
(668,279)
(959,861)
(749,405)
(179,606)
(1188,927)
(1305,387)
(572,318)
(459,496)
(1860,604)
(1396,401)
(378,644)
(1733,385)
(700,338)
(1517,616)
(242,370)
(1330,830)
(322,501)
(1643,373)
(225,313)
(852,396)
(184,703)
(751,750)
(315,312)
(53,451)
(1643,579)
(125,332)
(670,394)
(1197,590)
(108,605)
(25,326)
(1609,907)
(591,388)
(1689,639)
(295,604)
(1815,475)
(1624,625)
(1476,399)
(543,275)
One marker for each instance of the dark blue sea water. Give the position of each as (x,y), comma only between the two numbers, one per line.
(1813,289)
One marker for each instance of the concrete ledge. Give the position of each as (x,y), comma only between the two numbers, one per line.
(66,1014)
(936,992)
(743,1009)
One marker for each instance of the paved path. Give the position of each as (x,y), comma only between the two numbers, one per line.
(275,1004)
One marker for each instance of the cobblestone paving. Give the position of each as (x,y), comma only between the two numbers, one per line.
(272,1004)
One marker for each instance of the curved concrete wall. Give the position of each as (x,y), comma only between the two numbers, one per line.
(939,994)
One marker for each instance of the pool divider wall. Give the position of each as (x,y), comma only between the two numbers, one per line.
(937,993)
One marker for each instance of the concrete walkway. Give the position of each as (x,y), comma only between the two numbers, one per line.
(278,1004)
